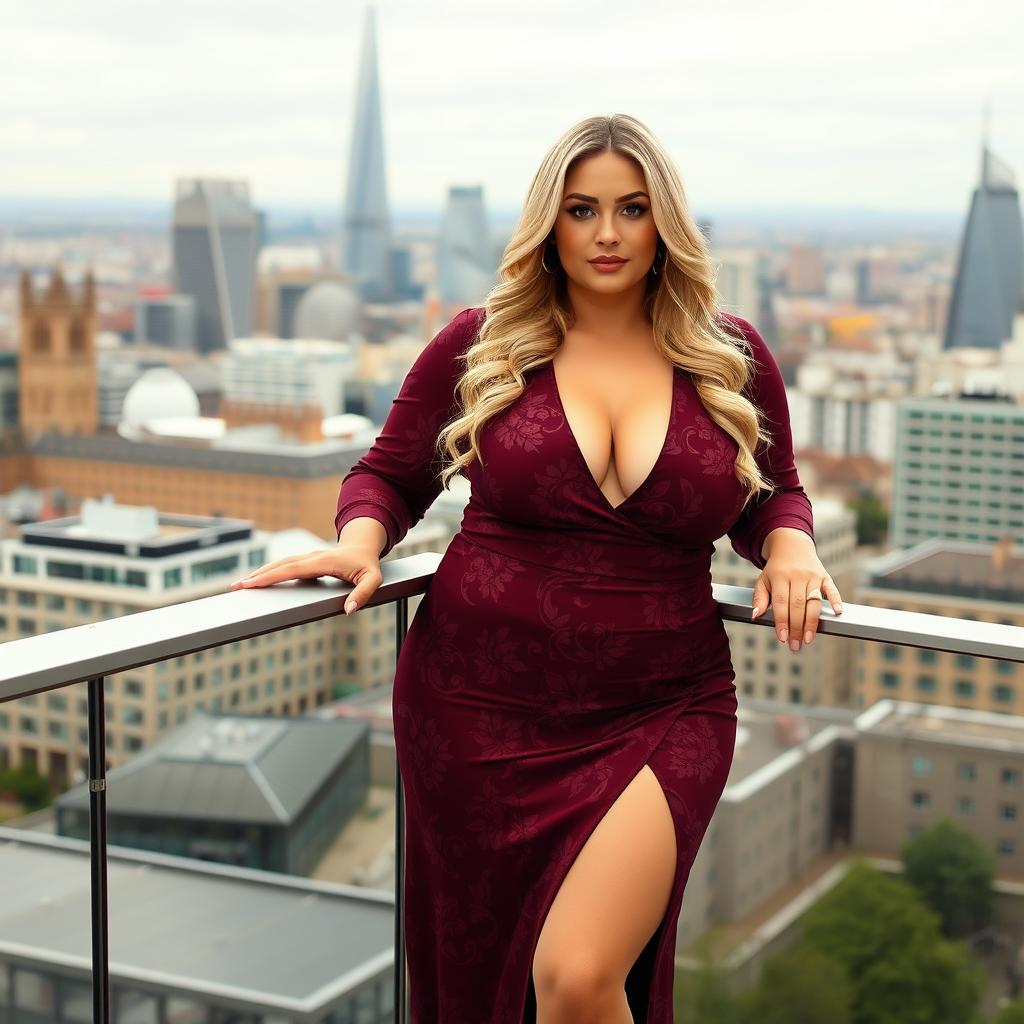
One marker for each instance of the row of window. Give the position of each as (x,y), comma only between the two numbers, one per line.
(965,806)
(913,531)
(134,742)
(921,767)
(960,417)
(927,656)
(1000,693)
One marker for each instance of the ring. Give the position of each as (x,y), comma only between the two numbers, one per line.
(814,595)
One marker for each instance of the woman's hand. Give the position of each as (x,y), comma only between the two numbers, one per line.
(349,562)
(792,571)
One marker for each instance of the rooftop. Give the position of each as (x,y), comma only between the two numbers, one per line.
(190,926)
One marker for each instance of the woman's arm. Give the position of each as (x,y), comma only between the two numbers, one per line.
(398,478)
(788,507)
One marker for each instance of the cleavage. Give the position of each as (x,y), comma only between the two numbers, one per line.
(619,428)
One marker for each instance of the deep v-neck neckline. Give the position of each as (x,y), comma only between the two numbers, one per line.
(583,459)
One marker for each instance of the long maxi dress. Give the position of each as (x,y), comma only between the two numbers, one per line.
(562,644)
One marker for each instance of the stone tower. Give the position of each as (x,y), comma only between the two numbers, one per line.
(57,359)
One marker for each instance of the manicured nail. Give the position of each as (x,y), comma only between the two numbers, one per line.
(794,644)
(783,634)
(754,611)
(350,607)
(808,637)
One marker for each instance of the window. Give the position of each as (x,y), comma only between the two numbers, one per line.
(1010,776)
(966,770)
(1008,812)
(965,805)
(921,766)
(920,799)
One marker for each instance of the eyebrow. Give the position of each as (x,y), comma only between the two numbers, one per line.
(594,199)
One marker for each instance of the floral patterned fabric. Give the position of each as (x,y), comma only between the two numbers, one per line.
(563,644)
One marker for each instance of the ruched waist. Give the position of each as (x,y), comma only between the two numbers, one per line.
(616,555)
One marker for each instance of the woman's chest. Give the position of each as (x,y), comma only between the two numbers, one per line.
(535,470)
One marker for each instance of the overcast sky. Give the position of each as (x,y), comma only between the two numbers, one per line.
(877,103)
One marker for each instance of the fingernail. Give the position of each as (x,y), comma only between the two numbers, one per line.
(794,644)
(783,634)
(350,607)
(808,637)
(753,611)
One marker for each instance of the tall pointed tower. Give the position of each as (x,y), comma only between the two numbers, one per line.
(366,225)
(57,359)
(989,283)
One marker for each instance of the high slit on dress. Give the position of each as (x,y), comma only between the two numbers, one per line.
(563,643)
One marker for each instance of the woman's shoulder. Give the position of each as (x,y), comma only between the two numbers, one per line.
(735,323)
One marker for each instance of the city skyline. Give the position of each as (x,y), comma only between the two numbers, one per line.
(884,112)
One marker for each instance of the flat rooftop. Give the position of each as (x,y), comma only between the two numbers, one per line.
(193,927)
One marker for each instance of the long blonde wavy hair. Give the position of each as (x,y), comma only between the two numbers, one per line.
(527,312)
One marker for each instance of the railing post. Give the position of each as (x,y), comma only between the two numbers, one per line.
(401,988)
(98,851)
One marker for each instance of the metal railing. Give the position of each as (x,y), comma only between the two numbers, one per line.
(90,652)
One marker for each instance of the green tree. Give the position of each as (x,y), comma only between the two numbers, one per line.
(953,871)
(800,986)
(901,969)
(703,996)
(30,789)
(872,518)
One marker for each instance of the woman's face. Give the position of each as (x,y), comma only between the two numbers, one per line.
(606,211)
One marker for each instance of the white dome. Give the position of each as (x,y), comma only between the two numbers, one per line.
(158,393)
(327,310)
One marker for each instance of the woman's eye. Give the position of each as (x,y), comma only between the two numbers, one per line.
(641,210)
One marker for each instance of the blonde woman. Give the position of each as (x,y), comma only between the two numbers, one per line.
(564,703)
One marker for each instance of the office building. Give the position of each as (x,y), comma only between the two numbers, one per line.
(989,287)
(366,225)
(984,582)
(958,470)
(215,241)
(166,320)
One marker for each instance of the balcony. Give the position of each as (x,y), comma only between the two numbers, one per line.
(90,652)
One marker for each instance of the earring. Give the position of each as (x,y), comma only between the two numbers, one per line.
(654,268)
(542,263)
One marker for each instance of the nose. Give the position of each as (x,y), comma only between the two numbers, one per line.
(606,229)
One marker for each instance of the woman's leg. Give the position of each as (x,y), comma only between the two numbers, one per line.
(609,905)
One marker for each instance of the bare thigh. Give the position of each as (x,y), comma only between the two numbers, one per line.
(613,897)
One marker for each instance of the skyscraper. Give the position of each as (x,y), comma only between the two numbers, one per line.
(216,241)
(989,286)
(366,228)
(465,266)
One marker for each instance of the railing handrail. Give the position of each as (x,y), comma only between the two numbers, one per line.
(79,653)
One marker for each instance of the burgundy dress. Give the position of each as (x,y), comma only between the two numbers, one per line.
(563,644)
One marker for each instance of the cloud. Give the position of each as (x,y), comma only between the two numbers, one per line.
(757,102)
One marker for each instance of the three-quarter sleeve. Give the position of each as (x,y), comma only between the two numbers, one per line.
(789,505)
(398,479)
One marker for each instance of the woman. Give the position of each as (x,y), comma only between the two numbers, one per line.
(564,703)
